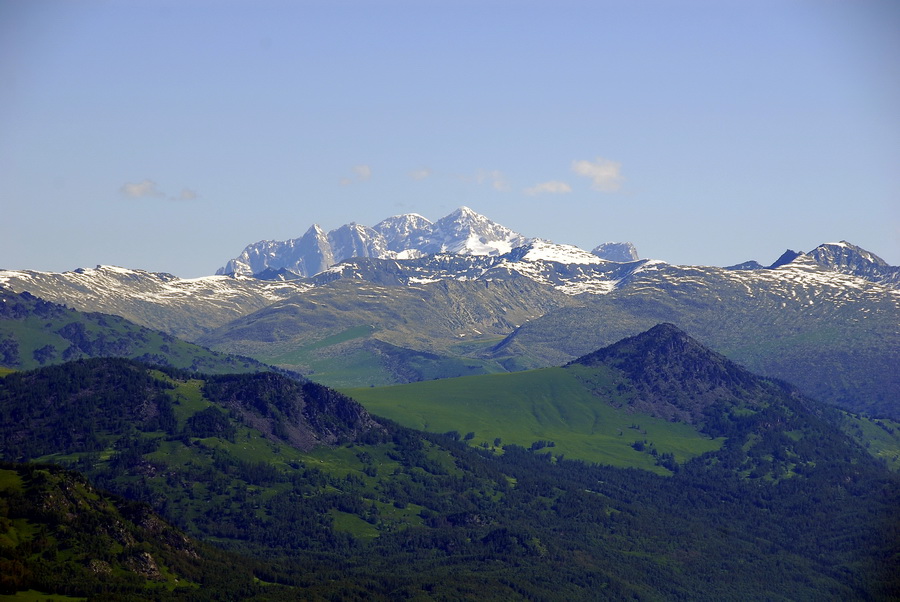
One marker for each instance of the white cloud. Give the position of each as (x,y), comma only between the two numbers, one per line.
(604,173)
(148,189)
(363,172)
(138,190)
(495,177)
(188,195)
(552,187)
(420,174)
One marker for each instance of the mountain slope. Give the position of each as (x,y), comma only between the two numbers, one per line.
(660,386)
(59,535)
(826,320)
(42,412)
(34,333)
(340,319)
(847,258)
(568,269)
(835,336)
(674,377)
(184,308)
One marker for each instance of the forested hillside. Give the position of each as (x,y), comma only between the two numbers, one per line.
(788,507)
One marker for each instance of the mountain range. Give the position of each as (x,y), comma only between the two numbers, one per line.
(415,300)
(408,236)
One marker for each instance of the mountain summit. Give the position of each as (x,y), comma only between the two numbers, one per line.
(463,232)
(842,257)
(850,259)
(468,233)
(673,375)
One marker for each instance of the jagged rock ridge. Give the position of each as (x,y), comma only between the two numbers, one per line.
(842,257)
(463,232)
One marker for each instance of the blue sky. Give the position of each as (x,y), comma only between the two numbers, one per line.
(168,135)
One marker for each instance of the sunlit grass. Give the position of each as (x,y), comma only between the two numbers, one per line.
(541,405)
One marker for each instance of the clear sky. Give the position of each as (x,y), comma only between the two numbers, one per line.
(169,135)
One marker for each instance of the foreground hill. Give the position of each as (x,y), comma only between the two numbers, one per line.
(59,534)
(785,507)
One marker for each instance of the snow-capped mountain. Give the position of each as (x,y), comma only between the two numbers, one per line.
(841,257)
(311,253)
(355,240)
(403,232)
(463,232)
(849,259)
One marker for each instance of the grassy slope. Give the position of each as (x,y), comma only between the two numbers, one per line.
(355,357)
(550,404)
(355,333)
(880,437)
(107,335)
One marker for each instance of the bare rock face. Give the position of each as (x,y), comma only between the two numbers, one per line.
(621,252)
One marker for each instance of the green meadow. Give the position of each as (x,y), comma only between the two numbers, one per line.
(551,405)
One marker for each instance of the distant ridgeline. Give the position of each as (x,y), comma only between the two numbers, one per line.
(465,295)
(34,333)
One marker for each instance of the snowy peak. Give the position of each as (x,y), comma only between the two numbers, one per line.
(843,254)
(542,250)
(354,240)
(842,257)
(466,232)
(403,232)
(309,253)
(847,258)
